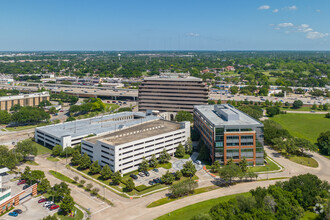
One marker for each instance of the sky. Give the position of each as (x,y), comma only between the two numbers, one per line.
(164,25)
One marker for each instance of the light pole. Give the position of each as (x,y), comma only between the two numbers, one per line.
(267,171)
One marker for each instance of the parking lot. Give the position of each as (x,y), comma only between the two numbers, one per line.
(32,210)
(153,175)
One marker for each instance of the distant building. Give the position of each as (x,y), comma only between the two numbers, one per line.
(69,134)
(229,134)
(6,79)
(172,93)
(230,68)
(34,99)
(123,150)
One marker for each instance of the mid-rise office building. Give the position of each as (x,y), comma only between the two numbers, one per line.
(172,93)
(71,133)
(34,99)
(124,150)
(229,134)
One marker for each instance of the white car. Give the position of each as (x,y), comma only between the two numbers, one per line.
(48,203)
(198,162)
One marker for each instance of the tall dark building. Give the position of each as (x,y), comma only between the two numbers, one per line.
(172,93)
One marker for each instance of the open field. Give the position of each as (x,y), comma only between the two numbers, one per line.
(42,149)
(190,211)
(304,109)
(270,165)
(306,126)
(306,161)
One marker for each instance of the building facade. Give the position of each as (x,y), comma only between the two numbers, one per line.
(172,93)
(229,134)
(124,150)
(34,99)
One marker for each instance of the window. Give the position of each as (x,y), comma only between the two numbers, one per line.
(232,137)
(247,143)
(232,130)
(105,157)
(233,153)
(246,129)
(105,147)
(233,144)
(87,150)
(246,137)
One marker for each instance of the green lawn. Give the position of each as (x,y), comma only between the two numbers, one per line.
(62,177)
(20,128)
(53,159)
(190,211)
(303,109)
(308,126)
(42,149)
(306,161)
(186,156)
(111,107)
(30,162)
(270,164)
(309,216)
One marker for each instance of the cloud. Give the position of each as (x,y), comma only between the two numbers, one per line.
(192,34)
(275,10)
(318,10)
(291,8)
(284,25)
(302,28)
(264,7)
(316,35)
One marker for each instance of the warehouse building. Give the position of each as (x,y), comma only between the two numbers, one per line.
(124,150)
(172,93)
(69,134)
(229,134)
(34,99)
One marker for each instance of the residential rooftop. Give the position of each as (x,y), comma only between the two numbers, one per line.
(96,125)
(137,132)
(225,114)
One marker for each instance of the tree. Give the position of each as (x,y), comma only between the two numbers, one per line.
(82,182)
(4,117)
(144,165)
(130,185)
(188,146)
(325,107)
(243,165)
(52,110)
(153,162)
(164,157)
(297,104)
(219,102)
(167,178)
(215,166)
(314,107)
(304,144)
(183,188)
(85,162)
(106,172)
(327,115)
(29,115)
(71,118)
(15,108)
(233,89)
(211,102)
(76,179)
(189,169)
(44,185)
(95,167)
(49,217)
(95,191)
(67,204)
(76,158)
(229,172)
(184,116)
(89,186)
(272,111)
(57,150)
(26,148)
(116,178)
(58,191)
(178,175)
(180,151)
(252,110)
(323,142)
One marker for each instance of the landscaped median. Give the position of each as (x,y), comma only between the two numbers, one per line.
(81,184)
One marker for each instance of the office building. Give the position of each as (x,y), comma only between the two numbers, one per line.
(172,93)
(229,134)
(69,134)
(124,150)
(34,99)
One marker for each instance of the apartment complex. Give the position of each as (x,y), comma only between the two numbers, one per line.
(69,134)
(229,134)
(172,93)
(34,99)
(124,150)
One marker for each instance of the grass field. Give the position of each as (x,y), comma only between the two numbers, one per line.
(306,161)
(308,126)
(190,211)
(303,109)
(53,159)
(79,215)
(270,164)
(309,216)
(21,128)
(42,149)
(61,177)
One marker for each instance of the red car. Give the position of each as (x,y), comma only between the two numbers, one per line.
(53,207)
(42,200)
(21,182)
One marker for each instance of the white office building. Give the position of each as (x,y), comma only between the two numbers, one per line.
(69,134)
(124,150)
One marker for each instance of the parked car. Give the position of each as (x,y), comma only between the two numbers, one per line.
(156,170)
(42,200)
(14,214)
(48,203)
(26,186)
(53,207)
(18,211)
(146,173)
(134,176)
(151,182)
(198,162)
(21,182)
(141,174)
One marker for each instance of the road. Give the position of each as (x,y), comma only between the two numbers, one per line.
(125,208)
